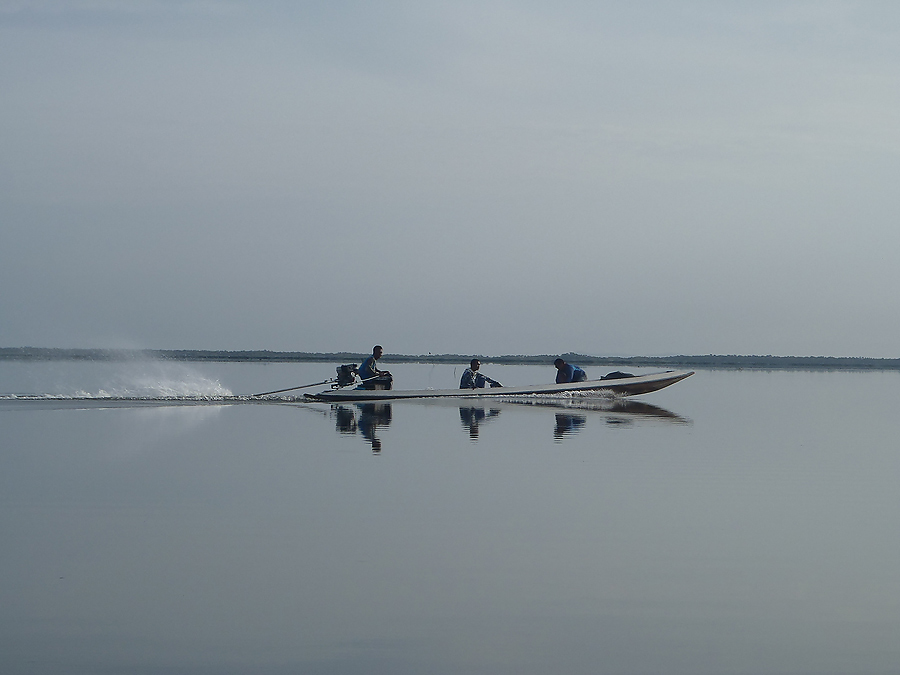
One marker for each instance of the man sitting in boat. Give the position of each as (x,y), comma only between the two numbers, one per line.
(566,372)
(472,379)
(372,378)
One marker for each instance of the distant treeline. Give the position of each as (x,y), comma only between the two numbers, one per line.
(265,356)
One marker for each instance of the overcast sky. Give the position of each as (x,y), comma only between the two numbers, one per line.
(612,178)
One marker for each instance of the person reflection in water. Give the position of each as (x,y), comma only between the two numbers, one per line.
(472,417)
(472,379)
(567,424)
(372,416)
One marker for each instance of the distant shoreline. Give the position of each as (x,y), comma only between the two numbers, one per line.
(709,361)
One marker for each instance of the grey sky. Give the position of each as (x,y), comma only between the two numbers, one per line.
(500,177)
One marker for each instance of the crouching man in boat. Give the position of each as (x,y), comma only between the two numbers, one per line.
(566,372)
(472,379)
(372,378)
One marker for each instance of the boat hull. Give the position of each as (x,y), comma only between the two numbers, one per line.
(625,386)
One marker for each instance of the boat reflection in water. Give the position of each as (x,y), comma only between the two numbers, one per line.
(472,417)
(625,412)
(570,415)
(615,410)
(371,416)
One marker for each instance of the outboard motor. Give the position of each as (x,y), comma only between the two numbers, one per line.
(346,375)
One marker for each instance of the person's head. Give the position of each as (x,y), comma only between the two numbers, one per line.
(377,351)
(559,363)
(475,364)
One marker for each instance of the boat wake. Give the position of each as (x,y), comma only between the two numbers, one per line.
(138,379)
(104,397)
(586,398)
(215,393)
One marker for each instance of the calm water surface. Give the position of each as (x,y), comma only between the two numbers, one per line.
(738,522)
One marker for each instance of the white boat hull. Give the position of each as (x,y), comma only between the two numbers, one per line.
(625,386)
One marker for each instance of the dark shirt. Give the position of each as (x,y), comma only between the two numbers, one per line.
(475,380)
(569,373)
(472,380)
(368,369)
